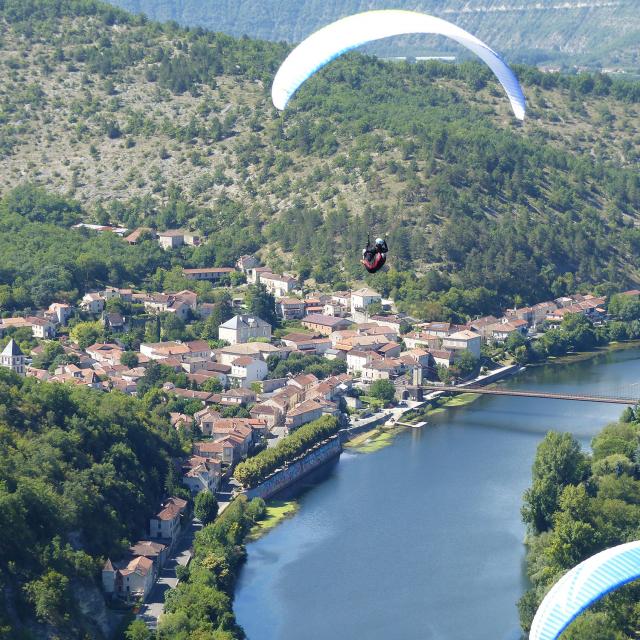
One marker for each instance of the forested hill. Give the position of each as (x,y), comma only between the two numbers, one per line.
(601,33)
(139,123)
(81,473)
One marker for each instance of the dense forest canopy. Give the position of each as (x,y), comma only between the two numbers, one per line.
(130,122)
(80,474)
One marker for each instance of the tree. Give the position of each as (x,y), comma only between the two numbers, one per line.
(617,438)
(212,385)
(559,462)
(173,327)
(137,630)
(206,507)
(444,373)
(261,303)
(129,359)
(235,411)
(554,342)
(383,390)
(573,537)
(466,363)
(593,626)
(579,331)
(152,330)
(49,595)
(50,352)
(221,312)
(513,341)
(84,334)
(625,307)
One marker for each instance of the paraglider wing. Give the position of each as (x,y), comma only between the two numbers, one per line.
(351,32)
(582,586)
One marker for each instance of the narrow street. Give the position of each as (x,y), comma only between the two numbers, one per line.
(152,609)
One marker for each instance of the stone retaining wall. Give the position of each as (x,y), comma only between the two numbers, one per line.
(296,469)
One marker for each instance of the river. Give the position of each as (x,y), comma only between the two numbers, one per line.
(422,540)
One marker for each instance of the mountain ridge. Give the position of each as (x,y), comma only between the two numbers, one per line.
(593,33)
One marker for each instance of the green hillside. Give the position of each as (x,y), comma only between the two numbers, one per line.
(80,474)
(145,124)
(591,32)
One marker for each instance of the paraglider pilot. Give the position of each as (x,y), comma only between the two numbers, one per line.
(374,257)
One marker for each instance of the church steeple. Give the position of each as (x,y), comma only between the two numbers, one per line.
(13,358)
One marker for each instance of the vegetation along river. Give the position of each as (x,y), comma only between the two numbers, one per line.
(422,539)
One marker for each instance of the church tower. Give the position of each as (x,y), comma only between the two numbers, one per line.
(12,358)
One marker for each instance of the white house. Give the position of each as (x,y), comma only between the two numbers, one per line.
(482,326)
(201,474)
(277,284)
(244,263)
(301,414)
(382,370)
(443,358)
(361,299)
(166,523)
(290,308)
(105,353)
(174,238)
(242,328)
(135,579)
(357,360)
(213,274)
(262,350)
(307,343)
(245,370)
(500,331)
(59,312)
(92,303)
(41,327)
(175,303)
(463,340)
(183,351)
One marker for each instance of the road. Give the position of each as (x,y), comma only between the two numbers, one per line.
(279,433)
(154,606)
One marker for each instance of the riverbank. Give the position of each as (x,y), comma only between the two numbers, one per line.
(582,356)
(275,512)
(374,440)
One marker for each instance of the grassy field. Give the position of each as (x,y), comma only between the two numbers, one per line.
(277,511)
(374,440)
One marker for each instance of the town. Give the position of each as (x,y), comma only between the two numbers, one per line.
(234,383)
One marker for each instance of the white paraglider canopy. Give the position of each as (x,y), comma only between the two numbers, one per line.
(582,586)
(351,32)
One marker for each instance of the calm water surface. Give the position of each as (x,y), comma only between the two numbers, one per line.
(422,540)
